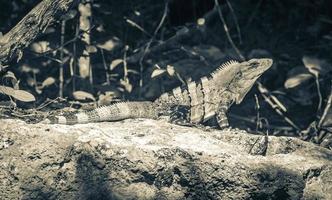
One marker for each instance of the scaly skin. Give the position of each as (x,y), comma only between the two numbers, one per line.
(114,112)
(197,102)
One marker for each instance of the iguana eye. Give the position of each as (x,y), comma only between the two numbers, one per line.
(254,64)
(240,73)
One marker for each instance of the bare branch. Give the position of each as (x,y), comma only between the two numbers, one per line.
(34,23)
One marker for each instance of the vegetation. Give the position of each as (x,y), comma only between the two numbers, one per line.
(104,51)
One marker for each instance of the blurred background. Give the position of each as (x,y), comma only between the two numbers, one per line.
(105,51)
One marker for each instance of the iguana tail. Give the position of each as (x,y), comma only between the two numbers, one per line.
(114,112)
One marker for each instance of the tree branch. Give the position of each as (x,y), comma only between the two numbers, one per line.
(34,23)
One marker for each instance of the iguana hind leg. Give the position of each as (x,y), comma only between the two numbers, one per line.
(179,115)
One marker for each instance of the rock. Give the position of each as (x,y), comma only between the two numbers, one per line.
(148,159)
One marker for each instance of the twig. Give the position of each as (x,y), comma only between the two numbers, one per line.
(48,102)
(125,67)
(327,108)
(258,114)
(193,53)
(146,49)
(235,21)
(226,30)
(74,64)
(162,19)
(61,78)
(8,104)
(134,24)
(252,16)
(77,36)
(105,67)
(271,100)
(267,125)
(319,93)
(182,34)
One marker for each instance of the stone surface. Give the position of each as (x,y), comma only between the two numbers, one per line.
(147,159)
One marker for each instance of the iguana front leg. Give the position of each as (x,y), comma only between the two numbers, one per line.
(224,105)
(222,117)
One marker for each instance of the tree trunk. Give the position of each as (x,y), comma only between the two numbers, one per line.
(34,23)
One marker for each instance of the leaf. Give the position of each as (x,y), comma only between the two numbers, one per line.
(107,45)
(11,77)
(82,95)
(115,63)
(107,98)
(132,71)
(19,55)
(201,21)
(27,68)
(47,82)
(31,81)
(316,66)
(17,94)
(84,66)
(3,67)
(40,47)
(297,80)
(38,90)
(91,49)
(101,29)
(128,87)
(157,72)
(7,90)
(170,70)
(24,96)
(312,64)
(137,13)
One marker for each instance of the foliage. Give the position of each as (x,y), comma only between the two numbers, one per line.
(140,49)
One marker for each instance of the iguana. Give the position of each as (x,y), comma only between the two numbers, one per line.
(207,99)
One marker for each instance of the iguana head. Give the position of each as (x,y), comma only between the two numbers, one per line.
(254,68)
(239,77)
(249,72)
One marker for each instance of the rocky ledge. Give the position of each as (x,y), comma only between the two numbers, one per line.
(148,159)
